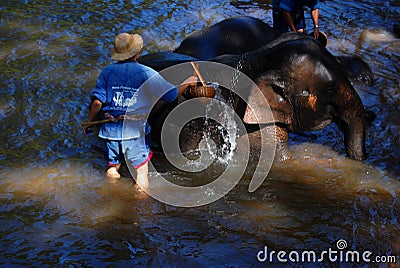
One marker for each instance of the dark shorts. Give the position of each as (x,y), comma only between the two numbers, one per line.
(137,151)
(280,24)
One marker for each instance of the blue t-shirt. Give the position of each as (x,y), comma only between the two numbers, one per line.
(295,6)
(131,86)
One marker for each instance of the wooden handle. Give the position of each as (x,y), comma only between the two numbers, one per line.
(198,74)
(92,123)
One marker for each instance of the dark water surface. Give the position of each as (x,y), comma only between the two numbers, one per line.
(58,209)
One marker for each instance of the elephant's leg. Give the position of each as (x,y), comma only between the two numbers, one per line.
(282,152)
(280,136)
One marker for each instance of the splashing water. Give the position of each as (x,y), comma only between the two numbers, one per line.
(227,127)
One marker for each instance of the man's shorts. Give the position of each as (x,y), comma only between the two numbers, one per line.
(137,151)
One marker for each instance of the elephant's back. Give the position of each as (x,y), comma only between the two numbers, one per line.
(244,34)
(231,36)
(162,60)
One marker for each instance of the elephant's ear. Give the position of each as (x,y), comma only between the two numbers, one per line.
(357,70)
(269,96)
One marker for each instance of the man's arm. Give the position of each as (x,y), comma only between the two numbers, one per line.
(94,109)
(314,16)
(178,91)
(288,19)
(190,81)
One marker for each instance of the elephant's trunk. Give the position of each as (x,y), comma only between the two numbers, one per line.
(353,123)
(355,141)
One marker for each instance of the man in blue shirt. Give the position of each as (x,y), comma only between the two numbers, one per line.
(118,90)
(288,15)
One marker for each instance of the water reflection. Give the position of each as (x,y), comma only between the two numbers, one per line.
(58,209)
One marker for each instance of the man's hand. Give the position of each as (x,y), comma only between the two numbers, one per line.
(191,81)
(94,109)
(316,33)
(87,130)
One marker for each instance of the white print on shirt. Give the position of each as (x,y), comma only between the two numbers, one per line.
(123,98)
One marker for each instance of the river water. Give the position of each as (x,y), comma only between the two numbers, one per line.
(58,209)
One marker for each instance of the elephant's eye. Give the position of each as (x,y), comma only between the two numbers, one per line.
(305,93)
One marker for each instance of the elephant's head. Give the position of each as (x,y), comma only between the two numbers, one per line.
(307,88)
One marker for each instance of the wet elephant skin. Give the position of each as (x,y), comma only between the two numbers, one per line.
(231,36)
(310,80)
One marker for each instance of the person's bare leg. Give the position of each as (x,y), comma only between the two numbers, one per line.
(118,166)
(113,173)
(142,174)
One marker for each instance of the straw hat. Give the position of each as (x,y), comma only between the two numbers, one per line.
(126,46)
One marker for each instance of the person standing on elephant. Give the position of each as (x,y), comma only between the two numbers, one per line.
(118,89)
(288,15)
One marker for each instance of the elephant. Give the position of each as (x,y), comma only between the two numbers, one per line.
(231,36)
(306,88)
(162,60)
(242,34)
